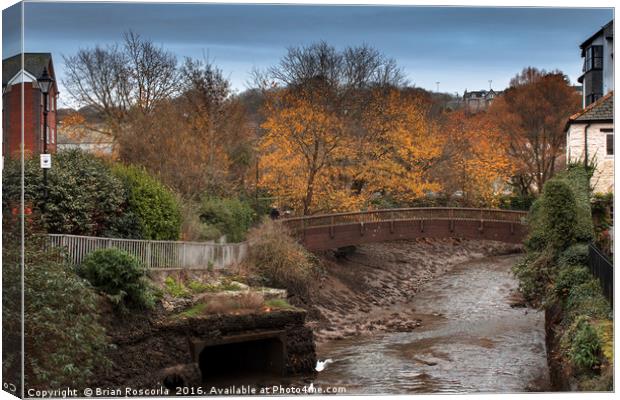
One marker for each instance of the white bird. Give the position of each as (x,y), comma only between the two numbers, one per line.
(321,365)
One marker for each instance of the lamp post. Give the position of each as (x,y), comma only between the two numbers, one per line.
(45,82)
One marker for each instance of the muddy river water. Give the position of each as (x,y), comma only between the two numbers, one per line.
(470,340)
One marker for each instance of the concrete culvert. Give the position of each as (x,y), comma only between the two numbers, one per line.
(242,360)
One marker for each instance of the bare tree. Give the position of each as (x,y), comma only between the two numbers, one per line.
(353,68)
(118,80)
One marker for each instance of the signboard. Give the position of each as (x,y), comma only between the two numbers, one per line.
(46,161)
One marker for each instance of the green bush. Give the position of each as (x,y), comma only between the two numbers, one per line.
(120,276)
(585,345)
(570,277)
(64,340)
(578,178)
(576,254)
(231,217)
(84,198)
(560,214)
(534,273)
(154,206)
(516,202)
(536,240)
(587,300)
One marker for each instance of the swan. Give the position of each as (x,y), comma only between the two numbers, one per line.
(321,365)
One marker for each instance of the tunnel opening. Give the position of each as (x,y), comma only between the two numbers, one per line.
(242,360)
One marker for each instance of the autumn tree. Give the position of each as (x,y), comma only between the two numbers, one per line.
(475,158)
(304,138)
(338,130)
(532,113)
(398,147)
(198,141)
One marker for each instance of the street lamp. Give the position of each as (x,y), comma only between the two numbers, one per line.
(45,83)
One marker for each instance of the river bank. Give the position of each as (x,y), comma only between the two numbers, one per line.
(472,338)
(369,290)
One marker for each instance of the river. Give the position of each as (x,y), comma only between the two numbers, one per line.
(470,340)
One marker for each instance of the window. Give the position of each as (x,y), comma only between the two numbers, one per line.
(47,135)
(591,98)
(594,58)
(53,136)
(610,141)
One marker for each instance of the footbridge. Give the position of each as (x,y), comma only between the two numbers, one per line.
(321,232)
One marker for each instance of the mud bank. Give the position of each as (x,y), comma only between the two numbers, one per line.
(164,351)
(370,289)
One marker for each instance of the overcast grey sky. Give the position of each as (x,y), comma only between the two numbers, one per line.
(463,48)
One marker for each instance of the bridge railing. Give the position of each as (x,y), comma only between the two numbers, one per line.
(406,214)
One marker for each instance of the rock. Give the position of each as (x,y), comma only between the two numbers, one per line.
(239,285)
(271,293)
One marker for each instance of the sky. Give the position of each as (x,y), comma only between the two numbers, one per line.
(460,47)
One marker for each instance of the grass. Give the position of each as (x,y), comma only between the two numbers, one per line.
(194,311)
(246,302)
(176,288)
(279,304)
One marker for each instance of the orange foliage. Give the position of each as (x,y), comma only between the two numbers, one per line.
(317,158)
(478,157)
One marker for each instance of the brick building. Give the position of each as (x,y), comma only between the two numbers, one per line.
(16,76)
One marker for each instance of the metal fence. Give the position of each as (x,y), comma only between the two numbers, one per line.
(603,269)
(156,254)
(401,214)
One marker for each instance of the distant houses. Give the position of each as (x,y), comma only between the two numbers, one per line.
(18,73)
(473,102)
(83,129)
(479,100)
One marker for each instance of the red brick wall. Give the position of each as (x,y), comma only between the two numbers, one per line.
(33,121)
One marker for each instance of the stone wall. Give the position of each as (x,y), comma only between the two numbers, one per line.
(149,353)
(603,179)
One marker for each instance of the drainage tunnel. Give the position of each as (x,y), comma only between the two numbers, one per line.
(242,358)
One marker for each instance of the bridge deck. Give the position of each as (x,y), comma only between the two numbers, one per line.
(320,232)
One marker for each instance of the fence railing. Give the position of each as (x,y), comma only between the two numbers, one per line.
(406,214)
(155,254)
(603,269)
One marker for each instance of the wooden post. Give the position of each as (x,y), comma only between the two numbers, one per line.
(148,254)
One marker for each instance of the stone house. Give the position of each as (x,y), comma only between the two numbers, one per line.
(590,138)
(478,100)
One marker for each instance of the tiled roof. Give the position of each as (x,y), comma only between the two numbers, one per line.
(33,63)
(600,110)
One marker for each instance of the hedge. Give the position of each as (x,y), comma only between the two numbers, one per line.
(230,216)
(153,206)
